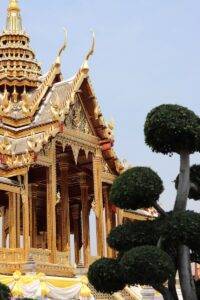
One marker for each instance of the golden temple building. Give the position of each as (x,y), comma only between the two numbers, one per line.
(57,161)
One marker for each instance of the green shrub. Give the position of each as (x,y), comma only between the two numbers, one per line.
(133,234)
(183,228)
(147,265)
(106,275)
(138,187)
(172,128)
(5,293)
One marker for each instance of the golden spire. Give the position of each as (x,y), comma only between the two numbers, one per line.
(18,66)
(14,21)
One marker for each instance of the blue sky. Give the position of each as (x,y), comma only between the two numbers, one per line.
(148,53)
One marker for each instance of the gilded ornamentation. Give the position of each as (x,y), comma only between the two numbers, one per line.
(40,115)
(35,143)
(5,145)
(106,168)
(58,110)
(76,119)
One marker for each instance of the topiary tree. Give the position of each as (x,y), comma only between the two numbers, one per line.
(106,275)
(159,267)
(5,293)
(133,234)
(176,129)
(129,191)
(150,252)
(183,228)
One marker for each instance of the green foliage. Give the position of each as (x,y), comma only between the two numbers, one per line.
(134,234)
(194,192)
(183,228)
(106,275)
(138,187)
(172,128)
(147,265)
(5,293)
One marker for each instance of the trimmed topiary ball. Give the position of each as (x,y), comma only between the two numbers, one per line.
(5,292)
(106,276)
(147,265)
(172,128)
(134,234)
(194,192)
(138,187)
(183,228)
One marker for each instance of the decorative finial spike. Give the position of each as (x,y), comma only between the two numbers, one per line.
(13,5)
(85,66)
(64,46)
(14,22)
(92,49)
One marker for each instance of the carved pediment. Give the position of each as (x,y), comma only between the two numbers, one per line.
(106,169)
(77,119)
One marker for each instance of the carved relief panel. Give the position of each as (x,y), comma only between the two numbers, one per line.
(77,119)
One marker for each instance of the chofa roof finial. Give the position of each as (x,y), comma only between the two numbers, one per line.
(85,66)
(63,47)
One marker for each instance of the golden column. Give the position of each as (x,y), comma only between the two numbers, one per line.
(51,203)
(12,220)
(109,217)
(33,217)
(85,218)
(3,233)
(25,202)
(76,222)
(98,198)
(64,204)
(18,220)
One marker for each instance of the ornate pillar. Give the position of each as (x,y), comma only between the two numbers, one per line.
(76,223)
(109,217)
(33,217)
(25,202)
(18,221)
(65,217)
(98,198)
(51,203)
(85,218)
(12,220)
(3,233)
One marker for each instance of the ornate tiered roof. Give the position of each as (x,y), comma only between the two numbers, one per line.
(34,108)
(18,66)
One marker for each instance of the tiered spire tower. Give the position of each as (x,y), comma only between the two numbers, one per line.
(19,69)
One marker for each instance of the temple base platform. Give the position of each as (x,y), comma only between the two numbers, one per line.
(41,261)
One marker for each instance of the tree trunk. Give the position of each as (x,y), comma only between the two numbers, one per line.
(172,287)
(184,182)
(185,273)
(184,264)
(164,292)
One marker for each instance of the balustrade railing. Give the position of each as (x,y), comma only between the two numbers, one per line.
(62,258)
(11,255)
(40,255)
